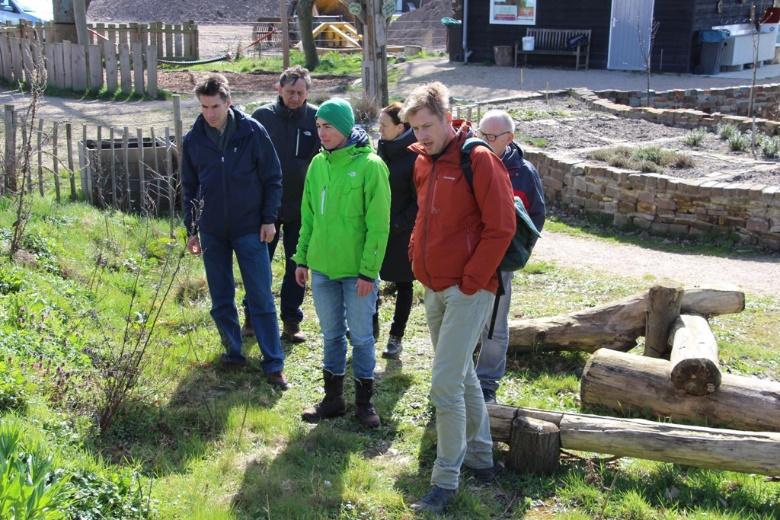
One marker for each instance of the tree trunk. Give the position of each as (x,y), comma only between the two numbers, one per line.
(305,21)
(629,383)
(535,446)
(65,20)
(694,359)
(663,308)
(375,55)
(615,325)
(731,450)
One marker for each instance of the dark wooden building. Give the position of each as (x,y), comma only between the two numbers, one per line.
(617,27)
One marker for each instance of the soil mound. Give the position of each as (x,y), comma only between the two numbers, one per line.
(180,11)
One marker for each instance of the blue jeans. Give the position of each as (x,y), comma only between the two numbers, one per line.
(338,306)
(252,256)
(491,364)
(292,293)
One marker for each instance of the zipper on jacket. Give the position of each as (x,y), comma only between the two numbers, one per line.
(225,196)
(297,141)
(427,223)
(322,201)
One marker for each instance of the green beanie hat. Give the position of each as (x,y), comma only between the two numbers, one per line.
(338,112)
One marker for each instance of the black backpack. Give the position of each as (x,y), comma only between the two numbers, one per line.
(526,234)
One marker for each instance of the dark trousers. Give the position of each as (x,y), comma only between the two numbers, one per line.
(403,307)
(292,293)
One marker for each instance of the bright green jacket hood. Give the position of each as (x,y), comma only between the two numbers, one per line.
(345,211)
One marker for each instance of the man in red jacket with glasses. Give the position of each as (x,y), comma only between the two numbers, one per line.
(459,238)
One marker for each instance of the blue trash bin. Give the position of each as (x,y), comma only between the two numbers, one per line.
(710,44)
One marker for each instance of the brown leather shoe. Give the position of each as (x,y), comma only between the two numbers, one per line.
(277,379)
(292,332)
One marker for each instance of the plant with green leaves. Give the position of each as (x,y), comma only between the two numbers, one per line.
(726,131)
(695,137)
(30,489)
(770,146)
(739,142)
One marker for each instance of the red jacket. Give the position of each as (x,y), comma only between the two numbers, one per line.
(460,237)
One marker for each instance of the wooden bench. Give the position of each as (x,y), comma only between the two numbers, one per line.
(555,42)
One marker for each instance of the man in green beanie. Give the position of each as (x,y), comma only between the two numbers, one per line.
(345,222)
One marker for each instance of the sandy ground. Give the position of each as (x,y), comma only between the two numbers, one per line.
(757,275)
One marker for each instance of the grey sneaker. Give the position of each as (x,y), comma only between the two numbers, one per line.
(435,501)
(393,348)
(490,395)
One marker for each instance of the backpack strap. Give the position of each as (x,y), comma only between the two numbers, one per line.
(465,158)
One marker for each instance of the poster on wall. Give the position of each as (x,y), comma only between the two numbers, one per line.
(513,12)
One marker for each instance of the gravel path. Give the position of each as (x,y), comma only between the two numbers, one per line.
(757,275)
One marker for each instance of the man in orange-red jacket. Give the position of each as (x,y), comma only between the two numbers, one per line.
(460,237)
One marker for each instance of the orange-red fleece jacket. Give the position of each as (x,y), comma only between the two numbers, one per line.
(460,237)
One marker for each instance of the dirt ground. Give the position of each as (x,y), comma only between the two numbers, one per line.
(566,125)
(184,82)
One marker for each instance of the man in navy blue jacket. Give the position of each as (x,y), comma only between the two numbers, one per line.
(232,186)
(498,129)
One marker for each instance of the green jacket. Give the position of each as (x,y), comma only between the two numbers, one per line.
(345,211)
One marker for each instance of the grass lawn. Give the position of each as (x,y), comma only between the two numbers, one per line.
(194,441)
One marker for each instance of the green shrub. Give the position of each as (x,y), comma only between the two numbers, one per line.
(770,146)
(30,489)
(118,496)
(10,279)
(14,388)
(694,138)
(726,131)
(739,142)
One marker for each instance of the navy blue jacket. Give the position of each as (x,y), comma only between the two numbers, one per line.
(231,194)
(294,134)
(526,183)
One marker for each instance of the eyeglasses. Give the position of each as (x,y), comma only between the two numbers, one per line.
(490,138)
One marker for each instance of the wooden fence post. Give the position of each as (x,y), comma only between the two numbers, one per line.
(71,173)
(109,54)
(178,35)
(156,176)
(177,128)
(141,173)
(124,68)
(168,41)
(126,144)
(79,65)
(55,160)
(113,169)
(67,65)
(10,150)
(40,157)
(151,71)
(138,68)
(159,38)
(95,67)
(86,177)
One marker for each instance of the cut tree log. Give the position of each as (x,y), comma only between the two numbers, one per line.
(535,446)
(730,450)
(616,325)
(694,358)
(629,383)
(663,308)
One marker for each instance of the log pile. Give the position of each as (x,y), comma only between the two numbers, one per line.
(536,437)
(677,378)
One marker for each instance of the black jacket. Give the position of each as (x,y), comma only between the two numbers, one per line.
(230,194)
(403,206)
(294,134)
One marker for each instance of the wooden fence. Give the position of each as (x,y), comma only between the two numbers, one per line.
(174,42)
(130,169)
(82,67)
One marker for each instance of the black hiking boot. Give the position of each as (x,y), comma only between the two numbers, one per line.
(332,405)
(365,411)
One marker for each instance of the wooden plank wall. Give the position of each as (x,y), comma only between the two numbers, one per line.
(83,67)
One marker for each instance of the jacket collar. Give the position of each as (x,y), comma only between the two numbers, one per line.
(452,151)
(242,129)
(281,109)
(358,143)
(399,144)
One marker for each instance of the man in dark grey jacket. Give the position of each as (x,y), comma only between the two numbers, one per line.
(291,125)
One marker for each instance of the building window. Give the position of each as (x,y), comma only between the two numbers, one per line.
(513,12)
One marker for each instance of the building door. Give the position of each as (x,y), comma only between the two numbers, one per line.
(629,36)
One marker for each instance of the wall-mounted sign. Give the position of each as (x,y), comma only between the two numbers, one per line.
(513,12)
